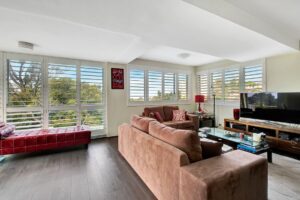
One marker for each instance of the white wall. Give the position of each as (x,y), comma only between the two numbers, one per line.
(282,75)
(118,111)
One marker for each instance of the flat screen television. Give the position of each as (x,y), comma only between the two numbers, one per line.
(271,106)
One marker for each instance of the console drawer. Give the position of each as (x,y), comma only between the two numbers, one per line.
(290,146)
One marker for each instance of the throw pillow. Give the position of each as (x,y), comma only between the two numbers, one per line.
(185,140)
(2,124)
(7,130)
(211,149)
(158,117)
(179,115)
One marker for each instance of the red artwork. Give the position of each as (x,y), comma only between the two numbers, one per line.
(117,78)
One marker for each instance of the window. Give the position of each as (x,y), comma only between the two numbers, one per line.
(147,86)
(65,93)
(203,85)
(232,84)
(169,87)
(253,78)
(217,84)
(24,91)
(136,85)
(227,84)
(91,83)
(62,84)
(92,97)
(154,86)
(183,87)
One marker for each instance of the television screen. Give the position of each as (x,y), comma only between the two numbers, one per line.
(282,107)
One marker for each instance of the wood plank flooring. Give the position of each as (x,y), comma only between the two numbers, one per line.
(101,173)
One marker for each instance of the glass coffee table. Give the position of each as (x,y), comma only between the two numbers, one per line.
(233,139)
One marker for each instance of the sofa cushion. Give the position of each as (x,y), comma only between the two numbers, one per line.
(185,140)
(184,124)
(159,109)
(168,111)
(141,123)
(158,117)
(179,115)
(172,124)
(211,149)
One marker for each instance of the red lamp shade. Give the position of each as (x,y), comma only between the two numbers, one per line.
(199,98)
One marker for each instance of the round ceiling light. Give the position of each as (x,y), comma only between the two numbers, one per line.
(184,55)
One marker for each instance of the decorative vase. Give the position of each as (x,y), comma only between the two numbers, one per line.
(236,114)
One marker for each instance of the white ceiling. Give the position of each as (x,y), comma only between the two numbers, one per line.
(121,31)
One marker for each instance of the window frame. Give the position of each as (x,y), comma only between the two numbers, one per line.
(241,67)
(45,108)
(146,101)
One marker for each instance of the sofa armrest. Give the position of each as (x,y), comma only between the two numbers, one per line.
(195,119)
(235,175)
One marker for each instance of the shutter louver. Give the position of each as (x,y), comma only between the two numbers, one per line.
(24,83)
(25,119)
(253,78)
(217,84)
(59,118)
(91,79)
(169,86)
(183,87)
(154,86)
(24,91)
(62,84)
(232,84)
(93,118)
(136,85)
(203,85)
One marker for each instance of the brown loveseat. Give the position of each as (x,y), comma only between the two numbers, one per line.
(169,173)
(166,112)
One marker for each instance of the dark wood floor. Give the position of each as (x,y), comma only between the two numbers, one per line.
(97,173)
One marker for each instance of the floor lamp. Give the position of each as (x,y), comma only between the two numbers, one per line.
(214,110)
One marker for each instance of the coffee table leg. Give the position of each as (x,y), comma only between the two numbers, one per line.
(269,154)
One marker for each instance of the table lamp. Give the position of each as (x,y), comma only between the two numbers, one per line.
(199,99)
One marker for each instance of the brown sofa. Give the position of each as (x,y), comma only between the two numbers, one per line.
(170,174)
(166,112)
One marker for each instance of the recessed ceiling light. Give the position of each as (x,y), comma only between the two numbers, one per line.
(184,55)
(26,45)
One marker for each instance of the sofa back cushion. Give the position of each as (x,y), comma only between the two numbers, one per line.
(185,140)
(159,109)
(168,111)
(141,123)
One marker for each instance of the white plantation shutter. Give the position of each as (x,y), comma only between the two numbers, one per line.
(169,86)
(136,85)
(154,85)
(203,85)
(24,83)
(253,78)
(94,118)
(92,97)
(25,119)
(91,78)
(183,86)
(217,85)
(24,92)
(1,90)
(232,84)
(62,118)
(64,77)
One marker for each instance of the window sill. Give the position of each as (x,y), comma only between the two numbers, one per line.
(158,103)
(222,103)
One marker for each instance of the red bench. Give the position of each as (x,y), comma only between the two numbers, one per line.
(38,140)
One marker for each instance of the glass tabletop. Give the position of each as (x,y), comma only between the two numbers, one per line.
(232,136)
